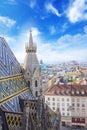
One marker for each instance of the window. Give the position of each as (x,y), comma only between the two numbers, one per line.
(48,99)
(83,109)
(62,99)
(82,92)
(77,92)
(73,119)
(36,93)
(73,104)
(83,99)
(73,99)
(29,84)
(72,92)
(82,119)
(36,83)
(53,108)
(83,105)
(63,109)
(53,99)
(78,99)
(53,103)
(48,103)
(28,73)
(67,99)
(63,114)
(67,114)
(73,109)
(78,104)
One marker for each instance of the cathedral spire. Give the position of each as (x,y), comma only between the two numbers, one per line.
(30,47)
(30,39)
(31,67)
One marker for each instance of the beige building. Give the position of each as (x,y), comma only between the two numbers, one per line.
(31,68)
(71,100)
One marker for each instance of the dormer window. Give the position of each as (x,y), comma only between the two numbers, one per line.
(57,92)
(67,92)
(72,92)
(77,92)
(62,91)
(82,92)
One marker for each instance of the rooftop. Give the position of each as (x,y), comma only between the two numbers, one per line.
(67,90)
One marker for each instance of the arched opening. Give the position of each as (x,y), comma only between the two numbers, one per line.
(36,83)
(29,84)
(36,93)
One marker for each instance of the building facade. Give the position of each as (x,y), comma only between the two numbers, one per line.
(71,100)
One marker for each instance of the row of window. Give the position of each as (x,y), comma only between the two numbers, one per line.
(58,104)
(53,99)
(78,99)
(78,109)
(63,109)
(62,112)
(68,99)
(78,105)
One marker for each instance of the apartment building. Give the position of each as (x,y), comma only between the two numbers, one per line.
(71,100)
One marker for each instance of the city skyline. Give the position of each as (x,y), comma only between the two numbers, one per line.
(58,27)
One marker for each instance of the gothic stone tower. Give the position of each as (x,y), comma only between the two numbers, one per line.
(31,68)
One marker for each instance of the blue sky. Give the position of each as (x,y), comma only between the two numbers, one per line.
(59,28)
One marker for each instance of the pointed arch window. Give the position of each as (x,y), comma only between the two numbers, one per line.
(36,93)
(36,84)
(29,84)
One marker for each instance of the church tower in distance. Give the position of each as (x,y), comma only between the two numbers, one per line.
(31,68)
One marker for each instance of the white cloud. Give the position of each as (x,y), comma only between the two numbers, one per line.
(64,27)
(65,48)
(49,55)
(85,29)
(55,57)
(77,11)
(32,3)
(52,29)
(10,39)
(7,21)
(69,39)
(11,2)
(17,43)
(51,9)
